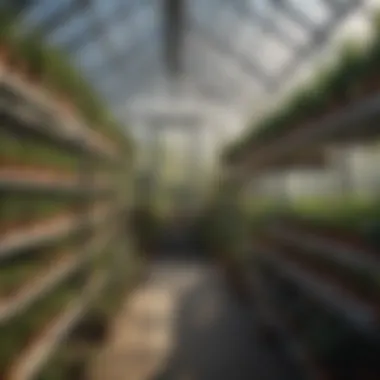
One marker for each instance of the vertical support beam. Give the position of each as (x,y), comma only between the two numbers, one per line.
(174,19)
(154,157)
(195,158)
(344,171)
(85,201)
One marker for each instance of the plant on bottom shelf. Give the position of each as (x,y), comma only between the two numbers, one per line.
(18,333)
(80,348)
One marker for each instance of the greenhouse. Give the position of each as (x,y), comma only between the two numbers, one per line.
(189,189)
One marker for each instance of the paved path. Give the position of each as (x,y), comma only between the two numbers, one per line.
(182,324)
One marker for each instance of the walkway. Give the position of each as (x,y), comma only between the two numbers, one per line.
(182,324)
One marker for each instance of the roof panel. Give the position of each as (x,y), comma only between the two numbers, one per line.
(290,27)
(120,41)
(316,10)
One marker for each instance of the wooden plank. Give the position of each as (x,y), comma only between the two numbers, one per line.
(47,282)
(32,360)
(45,231)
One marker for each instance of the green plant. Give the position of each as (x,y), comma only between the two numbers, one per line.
(17,334)
(32,51)
(20,208)
(348,73)
(51,68)
(8,29)
(353,75)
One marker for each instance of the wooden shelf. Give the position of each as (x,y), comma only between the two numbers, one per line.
(353,123)
(28,109)
(46,283)
(43,181)
(47,230)
(356,312)
(34,357)
(332,250)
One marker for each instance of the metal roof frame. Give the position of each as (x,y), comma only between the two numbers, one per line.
(116,58)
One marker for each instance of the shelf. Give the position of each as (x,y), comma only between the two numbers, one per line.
(331,250)
(29,110)
(35,180)
(359,314)
(32,360)
(45,231)
(293,346)
(348,122)
(47,282)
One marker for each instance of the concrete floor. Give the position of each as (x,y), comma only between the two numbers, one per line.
(183,324)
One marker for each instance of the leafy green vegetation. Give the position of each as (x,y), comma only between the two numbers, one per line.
(16,272)
(354,76)
(80,348)
(14,150)
(30,56)
(44,67)
(20,331)
(334,211)
(20,209)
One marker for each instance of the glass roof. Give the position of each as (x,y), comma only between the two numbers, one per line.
(226,45)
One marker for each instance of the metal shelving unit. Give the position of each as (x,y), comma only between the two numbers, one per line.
(30,112)
(270,318)
(31,116)
(357,122)
(359,314)
(340,253)
(32,360)
(48,281)
(46,231)
(37,181)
